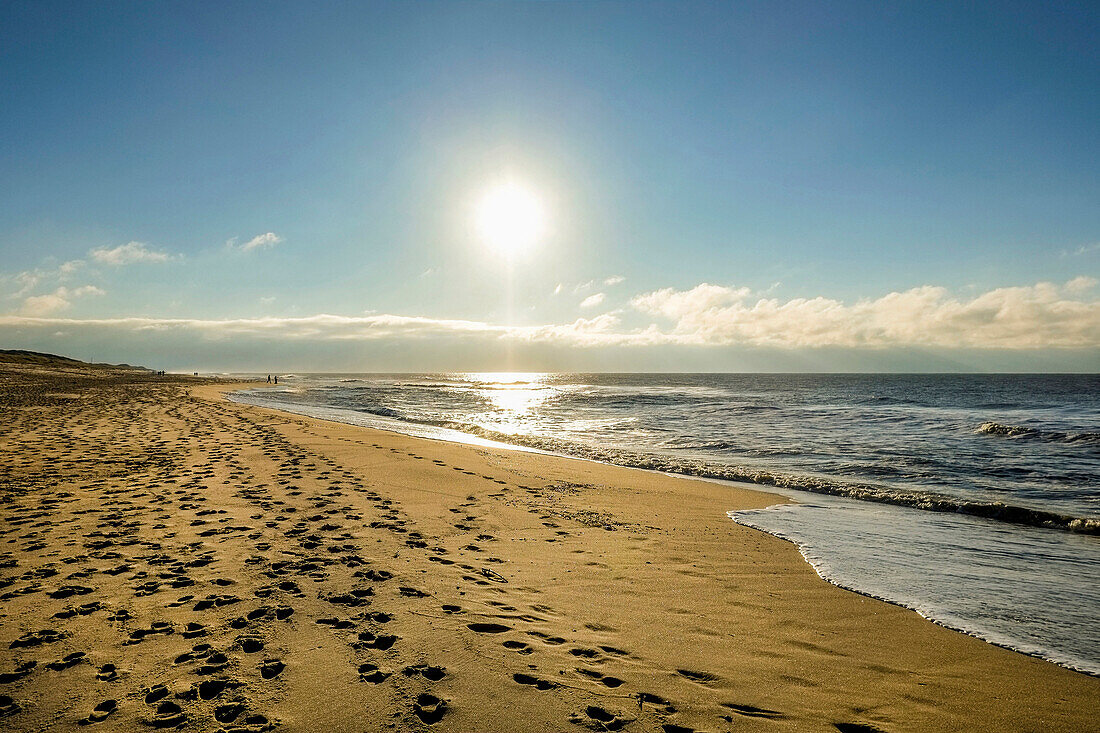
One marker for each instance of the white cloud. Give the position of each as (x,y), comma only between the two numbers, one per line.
(614,280)
(26,282)
(41,305)
(1043,315)
(128,254)
(1084,249)
(676,304)
(260,241)
(1036,317)
(68,268)
(1080,284)
(60,299)
(592,300)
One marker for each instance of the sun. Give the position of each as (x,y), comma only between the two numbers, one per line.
(510,219)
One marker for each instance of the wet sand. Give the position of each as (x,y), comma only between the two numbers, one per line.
(169,559)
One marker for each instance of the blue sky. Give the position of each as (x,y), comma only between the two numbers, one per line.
(734,180)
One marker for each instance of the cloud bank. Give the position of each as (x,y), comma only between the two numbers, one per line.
(1040,316)
(1044,315)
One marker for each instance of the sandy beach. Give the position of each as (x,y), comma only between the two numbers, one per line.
(173,560)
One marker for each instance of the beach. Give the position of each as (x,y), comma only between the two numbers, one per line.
(175,560)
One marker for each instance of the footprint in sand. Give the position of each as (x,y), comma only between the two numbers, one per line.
(426,671)
(155,693)
(228,713)
(271,668)
(249,644)
(210,689)
(21,670)
(752,712)
(369,641)
(372,673)
(168,715)
(600,718)
(429,708)
(70,660)
(107,673)
(37,638)
(213,664)
(703,678)
(100,712)
(538,684)
(605,680)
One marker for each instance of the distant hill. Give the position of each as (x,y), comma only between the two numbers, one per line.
(21,356)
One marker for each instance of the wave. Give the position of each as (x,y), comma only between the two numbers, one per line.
(916,499)
(1022,431)
(927,501)
(376,410)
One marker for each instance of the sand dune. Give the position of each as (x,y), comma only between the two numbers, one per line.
(172,560)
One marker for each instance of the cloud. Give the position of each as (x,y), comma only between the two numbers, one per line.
(27,280)
(260,241)
(66,269)
(592,300)
(613,280)
(1038,316)
(41,305)
(60,299)
(677,304)
(322,326)
(1084,249)
(128,254)
(1080,284)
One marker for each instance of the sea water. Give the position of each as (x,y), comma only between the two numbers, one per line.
(973,499)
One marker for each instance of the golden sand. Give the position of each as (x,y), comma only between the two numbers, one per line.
(170,559)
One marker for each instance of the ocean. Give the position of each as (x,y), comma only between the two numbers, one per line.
(973,499)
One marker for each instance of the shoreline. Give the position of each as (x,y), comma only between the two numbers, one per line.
(928,610)
(374,581)
(1013,514)
(775,500)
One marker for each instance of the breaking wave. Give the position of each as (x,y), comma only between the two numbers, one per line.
(1022,431)
(928,501)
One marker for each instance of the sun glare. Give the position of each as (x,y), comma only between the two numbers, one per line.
(510,219)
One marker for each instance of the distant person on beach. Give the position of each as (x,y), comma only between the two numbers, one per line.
(276,379)
(269,379)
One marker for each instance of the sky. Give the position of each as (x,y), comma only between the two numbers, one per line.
(773,186)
